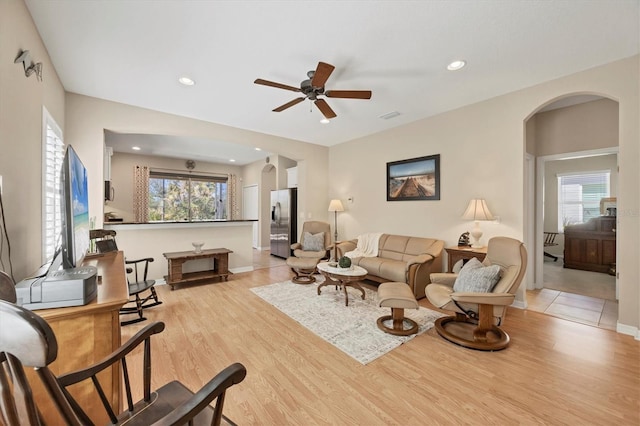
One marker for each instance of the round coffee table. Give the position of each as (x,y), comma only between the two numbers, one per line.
(342,277)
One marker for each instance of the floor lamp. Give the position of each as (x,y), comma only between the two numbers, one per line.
(477,210)
(335,206)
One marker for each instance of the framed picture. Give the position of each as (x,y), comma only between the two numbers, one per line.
(608,206)
(414,179)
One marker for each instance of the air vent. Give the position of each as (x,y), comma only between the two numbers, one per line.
(389,115)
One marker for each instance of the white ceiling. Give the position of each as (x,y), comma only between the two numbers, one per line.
(134,51)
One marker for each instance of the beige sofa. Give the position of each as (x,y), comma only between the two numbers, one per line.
(400,258)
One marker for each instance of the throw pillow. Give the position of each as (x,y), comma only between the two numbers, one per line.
(313,242)
(474,277)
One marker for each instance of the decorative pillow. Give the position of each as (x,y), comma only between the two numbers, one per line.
(313,242)
(474,277)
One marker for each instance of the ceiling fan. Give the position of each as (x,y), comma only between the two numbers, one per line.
(314,87)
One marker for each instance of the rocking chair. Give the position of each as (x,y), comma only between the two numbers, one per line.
(138,284)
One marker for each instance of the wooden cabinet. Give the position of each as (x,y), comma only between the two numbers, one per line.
(591,246)
(85,335)
(463,253)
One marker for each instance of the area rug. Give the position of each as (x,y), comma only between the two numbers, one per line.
(352,329)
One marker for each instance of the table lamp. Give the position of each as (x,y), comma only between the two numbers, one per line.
(335,206)
(477,210)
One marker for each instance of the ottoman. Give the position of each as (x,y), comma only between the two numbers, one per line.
(303,268)
(397,296)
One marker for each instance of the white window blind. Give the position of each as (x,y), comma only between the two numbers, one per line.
(579,196)
(53,154)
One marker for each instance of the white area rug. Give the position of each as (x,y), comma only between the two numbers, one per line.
(352,329)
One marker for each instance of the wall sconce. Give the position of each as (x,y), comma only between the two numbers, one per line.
(29,66)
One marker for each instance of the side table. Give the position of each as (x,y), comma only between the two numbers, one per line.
(465,253)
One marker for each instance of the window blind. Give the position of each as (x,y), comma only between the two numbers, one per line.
(579,196)
(53,154)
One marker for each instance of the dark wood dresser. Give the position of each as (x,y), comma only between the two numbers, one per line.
(591,246)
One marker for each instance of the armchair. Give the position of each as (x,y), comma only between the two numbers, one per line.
(478,313)
(314,245)
(27,340)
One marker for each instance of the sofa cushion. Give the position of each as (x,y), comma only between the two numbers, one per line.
(313,242)
(474,277)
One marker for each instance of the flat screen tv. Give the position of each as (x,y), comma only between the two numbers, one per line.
(75,210)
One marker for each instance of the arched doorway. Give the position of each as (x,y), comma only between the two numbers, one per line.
(567,136)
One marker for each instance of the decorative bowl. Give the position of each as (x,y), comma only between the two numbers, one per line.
(197,246)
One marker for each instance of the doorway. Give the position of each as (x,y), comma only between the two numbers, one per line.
(569,135)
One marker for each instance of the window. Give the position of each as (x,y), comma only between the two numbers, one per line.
(178,197)
(579,196)
(53,154)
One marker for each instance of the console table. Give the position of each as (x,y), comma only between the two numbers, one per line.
(176,260)
(465,253)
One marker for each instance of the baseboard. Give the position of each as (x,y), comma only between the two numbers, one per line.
(161,281)
(242,269)
(629,330)
(519,304)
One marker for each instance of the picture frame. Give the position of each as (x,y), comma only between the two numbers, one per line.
(414,179)
(608,203)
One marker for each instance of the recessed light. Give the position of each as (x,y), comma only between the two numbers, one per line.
(324,121)
(231,160)
(135,148)
(258,149)
(186,81)
(456,65)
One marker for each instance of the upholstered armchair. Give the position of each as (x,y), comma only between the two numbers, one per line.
(479,295)
(314,246)
(311,244)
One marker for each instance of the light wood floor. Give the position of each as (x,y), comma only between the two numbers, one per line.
(554,372)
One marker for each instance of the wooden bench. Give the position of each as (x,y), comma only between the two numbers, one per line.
(176,260)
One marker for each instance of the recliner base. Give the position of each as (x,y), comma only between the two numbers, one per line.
(470,335)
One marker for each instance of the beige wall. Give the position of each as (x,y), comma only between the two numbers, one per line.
(87,118)
(482,155)
(587,126)
(21,102)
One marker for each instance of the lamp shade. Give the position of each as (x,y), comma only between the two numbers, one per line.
(477,210)
(336,206)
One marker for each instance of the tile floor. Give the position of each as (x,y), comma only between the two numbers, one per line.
(580,296)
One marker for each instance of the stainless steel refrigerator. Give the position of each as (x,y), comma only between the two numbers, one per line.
(284,229)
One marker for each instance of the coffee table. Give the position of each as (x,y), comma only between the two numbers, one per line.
(342,277)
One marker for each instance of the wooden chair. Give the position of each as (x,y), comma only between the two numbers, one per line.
(138,283)
(7,288)
(27,341)
(549,241)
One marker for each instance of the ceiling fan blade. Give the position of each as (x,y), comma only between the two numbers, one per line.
(324,108)
(274,84)
(289,104)
(349,94)
(322,73)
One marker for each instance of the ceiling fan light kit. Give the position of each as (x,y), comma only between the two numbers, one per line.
(313,87)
